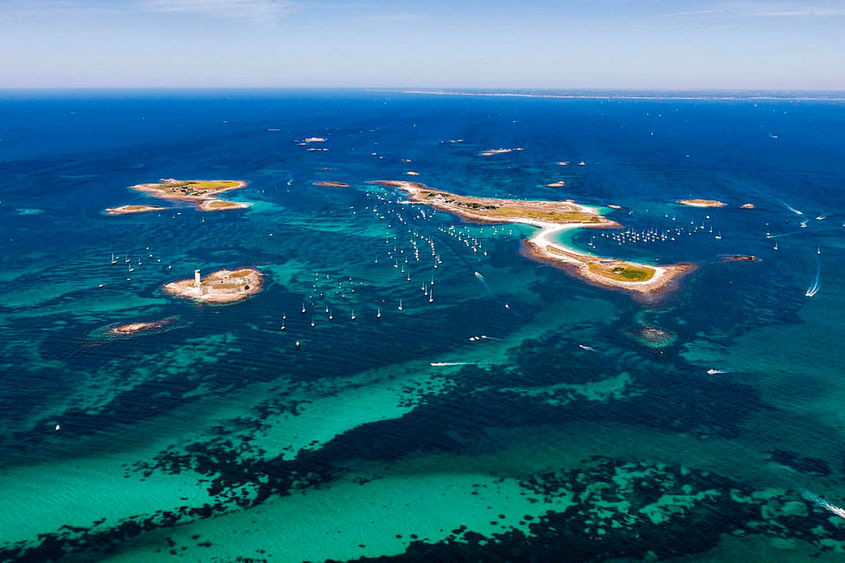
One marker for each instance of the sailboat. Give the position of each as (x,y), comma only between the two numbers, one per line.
(400,304)
(431,296)
(775,247)
(303,307)
(113,259)
(353,317)
(378,313)
(283,325)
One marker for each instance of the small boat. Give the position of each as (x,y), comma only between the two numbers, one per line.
(378,313)
(283,325)
(312,321)
(775,247)
(353,317)
(113,259)
(400,304)
(303,307)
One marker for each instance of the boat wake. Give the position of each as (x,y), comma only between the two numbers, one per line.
(449,364)
(815,286)
(481,279)
(819,501)
(790,233)
(796,211)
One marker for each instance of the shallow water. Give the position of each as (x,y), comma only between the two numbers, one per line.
(561,429)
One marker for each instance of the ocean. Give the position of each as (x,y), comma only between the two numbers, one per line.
(520,414)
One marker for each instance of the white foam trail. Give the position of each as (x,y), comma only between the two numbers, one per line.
(815,287)
(448,364)
(481,279)
(819,501)
(784,234)
(796,211)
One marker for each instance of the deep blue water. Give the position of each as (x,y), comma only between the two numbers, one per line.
(218,435)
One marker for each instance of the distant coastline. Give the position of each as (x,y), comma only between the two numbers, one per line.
(727,96)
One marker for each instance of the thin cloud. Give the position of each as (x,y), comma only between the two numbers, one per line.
(257,10)
(690,13)
(761,10)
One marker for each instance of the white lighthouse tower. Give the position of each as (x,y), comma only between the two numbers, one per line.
(197,279)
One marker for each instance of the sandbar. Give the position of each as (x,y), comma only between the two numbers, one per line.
(221,205)
(701,202)
(747,206)
(133,328)
(653,336)
(331,184)
(222,286)
(739,258)
(553,217)
(200,192)
(128,209)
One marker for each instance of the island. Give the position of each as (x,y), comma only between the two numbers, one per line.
(552,217)
(558,184)
(200,192)
(747,206)
(331,184)
(222,286)
(128,209)
(701,202)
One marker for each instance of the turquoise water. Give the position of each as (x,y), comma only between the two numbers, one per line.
(561,421)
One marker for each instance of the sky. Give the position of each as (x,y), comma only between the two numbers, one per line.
(489,44)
